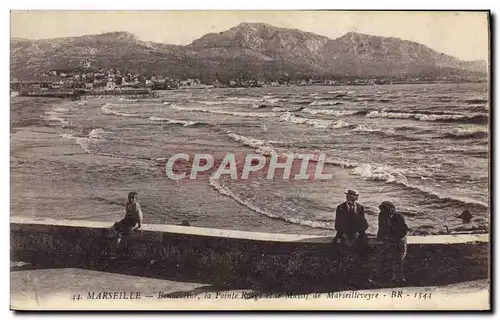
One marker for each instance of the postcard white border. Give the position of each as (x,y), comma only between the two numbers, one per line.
(186,4)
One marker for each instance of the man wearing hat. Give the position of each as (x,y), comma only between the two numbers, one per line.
(350,221)
(351,225)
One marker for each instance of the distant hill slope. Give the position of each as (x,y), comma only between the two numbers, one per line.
(249,49)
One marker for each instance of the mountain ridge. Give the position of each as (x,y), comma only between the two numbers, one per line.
(246,50)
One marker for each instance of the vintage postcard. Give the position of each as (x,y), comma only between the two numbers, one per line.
(250,160)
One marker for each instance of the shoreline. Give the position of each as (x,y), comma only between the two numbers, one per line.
(34,110)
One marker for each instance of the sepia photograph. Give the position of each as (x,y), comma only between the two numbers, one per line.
(250,160)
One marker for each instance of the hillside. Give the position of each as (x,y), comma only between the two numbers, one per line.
(247,50)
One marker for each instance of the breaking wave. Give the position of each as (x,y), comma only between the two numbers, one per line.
(368,128)
(263,147)
(211,103)
(224,190)
(184,123)
(467,133)
(475,101)
(248,141)
(337,113)
(232,113)
(299,101)
(341,93)
(84,142)
(389,174)
(241,99)
(279,109)
(367,171)
(384,113)
(96,134)
(107,110)
(325,103)
(55,116)
(380,173)
(317,123)
(56,113)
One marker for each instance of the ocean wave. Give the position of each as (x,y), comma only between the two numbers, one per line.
(368,128)
(367,171)
(272,100)
(475,101)
(94,136)
(318,223)
(106,108)
(279,109)
(243,99)
(445,99)
(56,113)
(55,116)
(390,115)
(427,112)
(337,113)
(249,141)
(84,142)
(300,101)
(258,106)
(317,123)
(346,164)
(479,109)
(393,175)
(266,147)
(96,133)
(380,173)
(184,123)
(224,190)
(325,103)
(467,133)
(384,113)
(341,93)
(479,152)
(384,100)
(210,103)
(363,99)
(232,113)
(442,97)
(411,128)
(477,119)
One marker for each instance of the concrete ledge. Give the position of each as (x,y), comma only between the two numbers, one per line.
(215,255)
(23,222)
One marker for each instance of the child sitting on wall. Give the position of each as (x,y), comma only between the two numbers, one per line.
(133,217)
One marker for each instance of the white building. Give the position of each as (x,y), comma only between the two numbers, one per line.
(85,63)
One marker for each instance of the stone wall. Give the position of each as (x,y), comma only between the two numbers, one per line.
(218,256)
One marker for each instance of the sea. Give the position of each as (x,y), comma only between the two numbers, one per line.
(424,147)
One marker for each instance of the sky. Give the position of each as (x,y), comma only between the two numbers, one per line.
(460,34)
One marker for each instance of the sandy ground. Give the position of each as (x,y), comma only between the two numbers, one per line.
(78,289)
